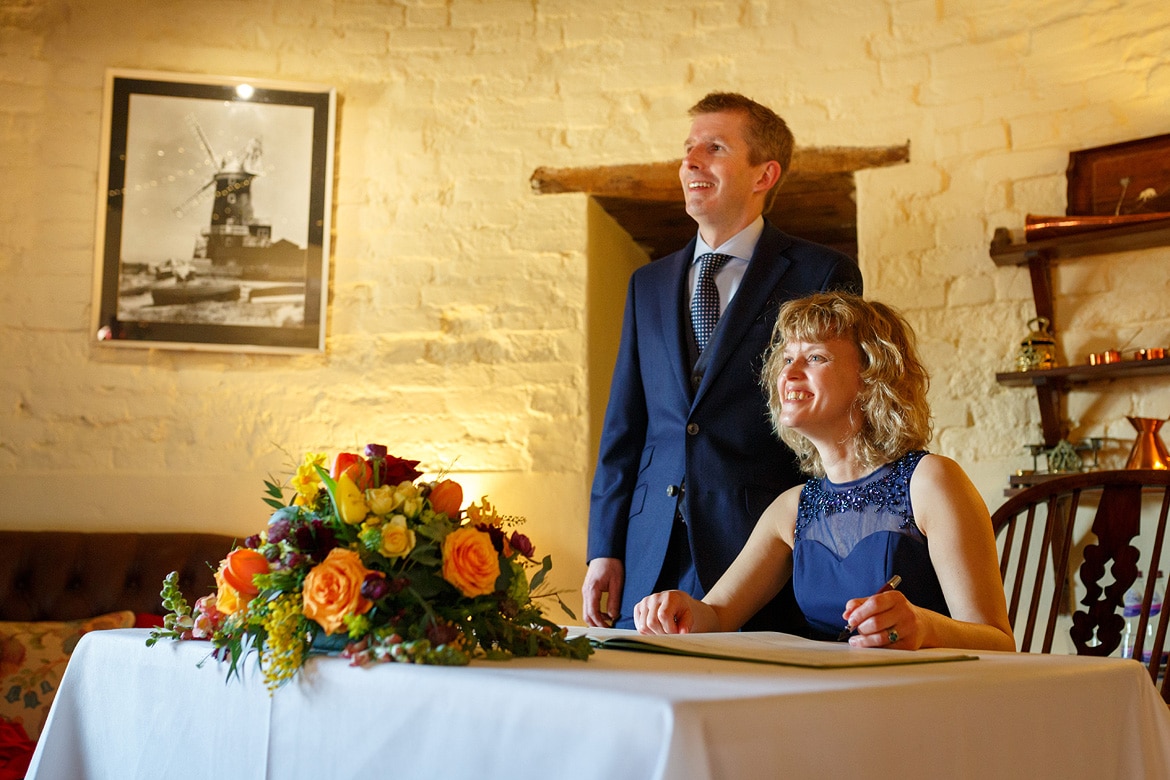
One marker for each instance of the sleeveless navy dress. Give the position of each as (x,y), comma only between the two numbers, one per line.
(851,538)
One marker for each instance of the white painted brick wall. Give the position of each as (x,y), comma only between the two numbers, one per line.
(458,297)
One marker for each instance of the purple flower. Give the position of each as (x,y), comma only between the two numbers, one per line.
(293,560)
(376,451)
(278,531)
(252,542)
(374,586)
(522,544)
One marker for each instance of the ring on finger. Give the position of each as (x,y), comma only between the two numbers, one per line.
(892,635)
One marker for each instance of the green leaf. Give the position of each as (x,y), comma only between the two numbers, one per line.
(330,486)
(275,494)
(538,578)
(565,607)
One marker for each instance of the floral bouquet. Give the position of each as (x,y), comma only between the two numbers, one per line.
(370,562)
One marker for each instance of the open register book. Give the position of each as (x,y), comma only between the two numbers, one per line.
(765,647)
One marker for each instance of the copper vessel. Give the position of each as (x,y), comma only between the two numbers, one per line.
(1148,450)
(1040,227)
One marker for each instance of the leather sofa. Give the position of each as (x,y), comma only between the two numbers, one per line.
(67,575)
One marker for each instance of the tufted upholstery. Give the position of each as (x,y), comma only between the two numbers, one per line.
(64,575)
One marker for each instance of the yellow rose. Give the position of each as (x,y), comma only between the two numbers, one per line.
(333,589)
(409,499)
(351,505)
(397,539)
(382,500)
(412,507)
(470,562)
(227,600)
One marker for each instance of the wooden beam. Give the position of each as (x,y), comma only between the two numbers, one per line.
(659,181)
(816,201)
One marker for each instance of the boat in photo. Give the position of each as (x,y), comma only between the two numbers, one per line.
(197,291)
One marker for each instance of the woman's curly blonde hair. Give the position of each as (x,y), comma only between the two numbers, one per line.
(896,416)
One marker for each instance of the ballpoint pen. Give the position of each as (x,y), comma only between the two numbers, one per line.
(891,584)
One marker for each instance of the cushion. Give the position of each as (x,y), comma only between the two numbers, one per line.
(16,750)
(147,620)
(33,657)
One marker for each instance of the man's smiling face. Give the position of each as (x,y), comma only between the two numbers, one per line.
(723,190)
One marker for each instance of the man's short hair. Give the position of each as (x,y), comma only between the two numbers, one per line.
(768,136)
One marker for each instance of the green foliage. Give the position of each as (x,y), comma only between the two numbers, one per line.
(178,619)
(408,611)
(274,494)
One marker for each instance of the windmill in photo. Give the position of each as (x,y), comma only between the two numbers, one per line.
(236,243)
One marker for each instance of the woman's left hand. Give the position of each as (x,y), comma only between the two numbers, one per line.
(885,620)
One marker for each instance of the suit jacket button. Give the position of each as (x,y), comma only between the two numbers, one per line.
(672,490)
(692,428)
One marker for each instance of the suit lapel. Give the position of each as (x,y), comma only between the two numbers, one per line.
(675,314)
(760,278)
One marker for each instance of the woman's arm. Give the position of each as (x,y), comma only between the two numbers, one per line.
(755,576)
(952,515)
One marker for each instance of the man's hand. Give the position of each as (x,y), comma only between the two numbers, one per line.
(605,576)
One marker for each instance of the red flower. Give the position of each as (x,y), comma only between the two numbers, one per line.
(395,470)
(358,469)
(379,469)
(16,750)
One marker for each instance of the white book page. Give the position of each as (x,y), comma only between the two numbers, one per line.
(764,647)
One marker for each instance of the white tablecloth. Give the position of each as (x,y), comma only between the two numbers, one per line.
(127,711)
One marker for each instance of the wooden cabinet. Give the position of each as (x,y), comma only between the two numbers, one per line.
(1052,384)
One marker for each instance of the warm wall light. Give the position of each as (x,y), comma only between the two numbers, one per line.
(244,91)
(475,485)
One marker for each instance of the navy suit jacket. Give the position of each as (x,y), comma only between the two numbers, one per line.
(661,431)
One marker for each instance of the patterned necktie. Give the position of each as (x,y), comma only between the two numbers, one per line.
(705,304)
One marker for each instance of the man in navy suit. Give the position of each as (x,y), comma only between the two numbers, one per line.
(688,458)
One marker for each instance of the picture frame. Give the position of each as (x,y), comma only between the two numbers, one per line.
(213,218)
(1127,178)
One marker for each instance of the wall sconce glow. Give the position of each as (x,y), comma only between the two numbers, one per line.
(245,91)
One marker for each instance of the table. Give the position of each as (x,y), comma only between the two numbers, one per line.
(127,711)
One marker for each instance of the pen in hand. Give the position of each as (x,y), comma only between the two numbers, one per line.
(891,584)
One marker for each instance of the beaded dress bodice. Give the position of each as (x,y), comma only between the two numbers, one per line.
(851,538)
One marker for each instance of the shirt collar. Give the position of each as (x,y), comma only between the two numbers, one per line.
(740,246)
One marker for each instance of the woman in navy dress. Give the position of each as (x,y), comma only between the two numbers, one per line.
(847,392)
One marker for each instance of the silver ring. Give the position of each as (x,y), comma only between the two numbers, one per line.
(892,635)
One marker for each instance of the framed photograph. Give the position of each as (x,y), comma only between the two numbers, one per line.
(1132,177)
(213,213)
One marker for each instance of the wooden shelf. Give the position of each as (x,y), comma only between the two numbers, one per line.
(1094,242)
(1052,384)
(1083,374)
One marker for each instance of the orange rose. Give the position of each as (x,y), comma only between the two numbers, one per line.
(447,497)
(234,579)
(333,589)
(241,565)
(470,562)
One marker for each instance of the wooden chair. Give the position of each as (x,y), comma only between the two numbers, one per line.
(1037,528)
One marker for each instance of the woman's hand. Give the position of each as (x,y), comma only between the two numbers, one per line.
(885,620)
(673,612)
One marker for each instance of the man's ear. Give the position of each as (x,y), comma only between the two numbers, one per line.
(768,176)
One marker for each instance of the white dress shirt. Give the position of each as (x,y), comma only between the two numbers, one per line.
(740,247)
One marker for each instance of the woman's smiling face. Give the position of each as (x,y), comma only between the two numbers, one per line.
(818,386)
